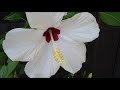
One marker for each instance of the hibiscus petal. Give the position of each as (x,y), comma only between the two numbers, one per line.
(43,65)
(74,55)
(20,44)
(81,28)
(44,20)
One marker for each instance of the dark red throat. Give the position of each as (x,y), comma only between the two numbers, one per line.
(55,33)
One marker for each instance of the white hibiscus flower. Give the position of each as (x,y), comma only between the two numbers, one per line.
(52,42)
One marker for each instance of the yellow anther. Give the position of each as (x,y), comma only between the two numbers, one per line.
(57,55)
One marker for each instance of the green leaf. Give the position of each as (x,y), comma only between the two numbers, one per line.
(26,25)
(71,75)
(2,36)
(90,75)
(3,72)
(110,18)
(6,71)
(13,17)
(11,67)
(9,61)
(10,75)
(1,41)
(22,72)
(0,66)
(2,58)
(15,75)
(84,74)
(69,15)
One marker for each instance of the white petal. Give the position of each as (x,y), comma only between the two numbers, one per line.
(20,44)
(74,55)
(81,28)
(43,65)
(44,20)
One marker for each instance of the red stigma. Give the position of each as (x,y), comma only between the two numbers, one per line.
(55,33)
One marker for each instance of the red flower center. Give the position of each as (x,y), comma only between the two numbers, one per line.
(55,33)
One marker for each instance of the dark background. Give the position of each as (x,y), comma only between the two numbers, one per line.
(103,54)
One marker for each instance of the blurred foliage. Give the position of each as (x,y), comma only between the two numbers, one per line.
(14,17)
(90,75)
(7,71)
(69,15)
(110,18)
